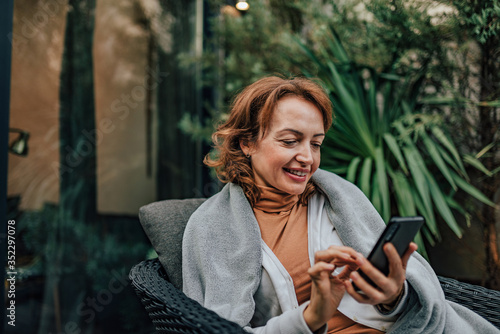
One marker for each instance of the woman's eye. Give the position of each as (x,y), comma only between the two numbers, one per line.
(316,145)
(288,142)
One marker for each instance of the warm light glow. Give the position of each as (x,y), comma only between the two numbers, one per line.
(242,5)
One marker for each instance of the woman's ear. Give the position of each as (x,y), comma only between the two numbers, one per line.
(246,147)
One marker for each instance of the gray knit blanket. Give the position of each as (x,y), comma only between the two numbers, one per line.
(222,260)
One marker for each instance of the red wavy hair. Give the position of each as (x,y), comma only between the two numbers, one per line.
(250,115)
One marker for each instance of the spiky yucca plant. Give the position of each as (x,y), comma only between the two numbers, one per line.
(400,157)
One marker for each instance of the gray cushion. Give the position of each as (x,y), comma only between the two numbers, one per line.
(164,224)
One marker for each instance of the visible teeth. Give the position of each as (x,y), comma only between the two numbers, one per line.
(295,172)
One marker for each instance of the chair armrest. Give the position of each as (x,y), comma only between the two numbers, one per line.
(170,309)
(483,301)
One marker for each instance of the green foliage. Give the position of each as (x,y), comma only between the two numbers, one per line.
(401,158)
(253,44)
(392,113)
(244,48)
(481,17)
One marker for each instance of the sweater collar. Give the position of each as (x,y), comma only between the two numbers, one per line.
(274,200)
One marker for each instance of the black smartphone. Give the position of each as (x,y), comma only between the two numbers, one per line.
(400,231)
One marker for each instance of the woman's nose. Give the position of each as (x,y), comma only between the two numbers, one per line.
(305,155)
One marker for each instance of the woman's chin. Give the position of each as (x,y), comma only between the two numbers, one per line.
(294,189)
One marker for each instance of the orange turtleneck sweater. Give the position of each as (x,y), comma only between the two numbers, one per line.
(283,225)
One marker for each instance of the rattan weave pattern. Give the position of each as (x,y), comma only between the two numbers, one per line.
(173,312)
(484,302)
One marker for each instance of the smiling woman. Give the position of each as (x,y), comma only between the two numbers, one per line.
(278,248)
(257,117)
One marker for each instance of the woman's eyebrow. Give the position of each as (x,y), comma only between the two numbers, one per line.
(299,133)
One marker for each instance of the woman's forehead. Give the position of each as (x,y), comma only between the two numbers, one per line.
(295,114)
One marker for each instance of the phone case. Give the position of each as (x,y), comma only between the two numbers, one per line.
(400,231)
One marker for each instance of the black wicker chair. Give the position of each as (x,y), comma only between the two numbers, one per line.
(158,282)
(484,302)
(171,310)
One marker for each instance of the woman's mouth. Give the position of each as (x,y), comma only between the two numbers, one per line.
(297,175)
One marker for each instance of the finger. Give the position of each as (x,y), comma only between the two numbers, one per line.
(346,272)
(396,269)
(318,268)
(340,254)
(386,287)
(368,289)
(320,275)
(341,263)
(406,256)
(373,273)
(359,297)
(392,285)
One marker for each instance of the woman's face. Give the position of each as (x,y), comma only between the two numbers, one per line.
(289,153)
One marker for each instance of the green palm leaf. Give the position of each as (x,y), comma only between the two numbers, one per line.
(365,176)
(352,169)
(477,164)
(438,160)
(383,185)
(396,151)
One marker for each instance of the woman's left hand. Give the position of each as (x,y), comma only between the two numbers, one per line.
(390,287)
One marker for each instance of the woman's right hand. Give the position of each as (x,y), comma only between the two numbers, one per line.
(327,290)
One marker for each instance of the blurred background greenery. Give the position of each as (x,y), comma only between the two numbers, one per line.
(120,97)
